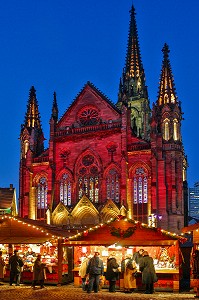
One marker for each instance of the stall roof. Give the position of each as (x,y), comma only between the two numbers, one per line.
(124,232)
(195,230)
(191,228)
(16,230)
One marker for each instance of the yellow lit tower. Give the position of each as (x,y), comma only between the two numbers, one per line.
(168,159)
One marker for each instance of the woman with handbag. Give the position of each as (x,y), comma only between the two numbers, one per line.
(112,272)
(128,268)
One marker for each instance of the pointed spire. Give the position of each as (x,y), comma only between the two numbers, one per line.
(167,93)
(55,111)
(32,117)
(134,76)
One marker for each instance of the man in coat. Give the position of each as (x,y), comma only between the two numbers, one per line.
(16,263)
(148,272)
(95,269)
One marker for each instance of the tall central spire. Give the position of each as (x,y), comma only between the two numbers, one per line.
(132,88)
(133,79)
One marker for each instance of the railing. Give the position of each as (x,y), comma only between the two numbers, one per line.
(87,129)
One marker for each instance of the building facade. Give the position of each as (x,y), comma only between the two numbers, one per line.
(106,159)
(194,203)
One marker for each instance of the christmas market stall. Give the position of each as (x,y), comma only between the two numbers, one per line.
(126,236)
(30,238)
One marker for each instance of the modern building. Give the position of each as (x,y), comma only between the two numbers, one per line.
(194,204)
(108,158)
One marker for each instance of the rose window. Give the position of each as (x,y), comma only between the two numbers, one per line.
(89,116)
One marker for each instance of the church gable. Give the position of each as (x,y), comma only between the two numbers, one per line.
(85,213)
(110,210)
(89,108)
(60,215)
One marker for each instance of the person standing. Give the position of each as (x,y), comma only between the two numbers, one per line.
(95,269)
(112,272)
(38,272)
(148,272)
(82,271)
(2,265)
(16,263)
(137,256)
(128,268)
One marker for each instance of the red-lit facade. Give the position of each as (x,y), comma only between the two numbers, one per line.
(106,159)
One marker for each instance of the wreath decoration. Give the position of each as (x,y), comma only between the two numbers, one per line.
(118,232)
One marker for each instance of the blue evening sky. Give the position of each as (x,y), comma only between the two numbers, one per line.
(59,45)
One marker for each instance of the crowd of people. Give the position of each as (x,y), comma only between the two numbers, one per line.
(92,269)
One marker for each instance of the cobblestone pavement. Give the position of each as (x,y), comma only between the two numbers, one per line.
(66,292)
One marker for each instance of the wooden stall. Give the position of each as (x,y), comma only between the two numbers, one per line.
(127,236)
(193,231)
(31,237)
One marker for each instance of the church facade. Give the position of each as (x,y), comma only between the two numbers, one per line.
(106,159)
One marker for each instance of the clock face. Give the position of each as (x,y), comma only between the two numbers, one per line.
(88,116)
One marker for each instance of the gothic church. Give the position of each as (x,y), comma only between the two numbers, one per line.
(106,159)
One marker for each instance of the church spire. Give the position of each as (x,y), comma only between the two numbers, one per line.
(32,117)
(31,131)
(132,87)
(55,111)
(133,77)
(167,93)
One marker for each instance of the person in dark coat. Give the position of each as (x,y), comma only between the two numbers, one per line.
(95,269)
(16,263)
(112,272)
(137,256)
(38,272)
(148,272)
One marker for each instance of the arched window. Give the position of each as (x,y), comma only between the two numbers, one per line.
(65,189)
(140,194)
(88,178)
(112,186)
(42,190)
(175,130)
(166,131)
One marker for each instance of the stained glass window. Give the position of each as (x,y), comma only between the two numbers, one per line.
(42,190)
(88,181)
(140,194)
(65,189)
(140,187)
(112,186)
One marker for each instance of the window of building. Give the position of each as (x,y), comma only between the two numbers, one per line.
(42,190)
(175,130)
(113,186)
(166,131)
(65,190)
(140,194)
(88,178)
